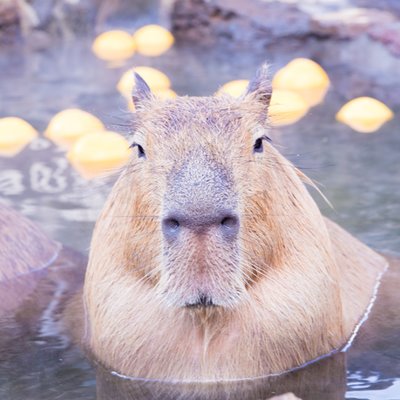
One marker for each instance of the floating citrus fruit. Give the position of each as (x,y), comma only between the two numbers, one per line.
(156,80)
(98,154)
(305,77)
(114,46)
(153,40)
(364,114)
(69,125)
(234,88)
(165,94)
(286,107)
(15,134)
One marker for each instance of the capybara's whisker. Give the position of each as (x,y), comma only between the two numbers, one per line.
(133,216)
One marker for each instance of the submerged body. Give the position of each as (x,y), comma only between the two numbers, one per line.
(211,261)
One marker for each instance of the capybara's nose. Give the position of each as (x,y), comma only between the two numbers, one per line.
(224,223)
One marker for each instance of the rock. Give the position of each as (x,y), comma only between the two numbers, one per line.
(38,40)
(60,18)
(349,23)
(65,18)
(388,35)
(237,22)
(358,38)
(9,20)
(8,13)
(71,18)
(387,5)
(260,23)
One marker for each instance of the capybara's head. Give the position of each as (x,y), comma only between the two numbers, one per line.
(204,202)
(203,209)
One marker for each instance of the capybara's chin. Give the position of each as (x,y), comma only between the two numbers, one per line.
(202,273)
(210,260)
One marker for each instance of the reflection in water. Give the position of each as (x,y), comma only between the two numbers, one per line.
(325,379)
(37,357)
(371,386)
(11,182)
(49,177)
(373,360)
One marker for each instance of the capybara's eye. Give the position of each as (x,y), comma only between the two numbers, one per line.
(258,145)
(141,153)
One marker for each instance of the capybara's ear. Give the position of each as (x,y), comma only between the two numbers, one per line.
(260,88)
(141,91)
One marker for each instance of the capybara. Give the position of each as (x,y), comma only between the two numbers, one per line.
(24,249)
(210,260)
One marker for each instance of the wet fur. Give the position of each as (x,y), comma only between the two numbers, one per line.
(23,246)
(291,288)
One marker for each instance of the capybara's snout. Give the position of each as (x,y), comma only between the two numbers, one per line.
(223,223)
(200,199)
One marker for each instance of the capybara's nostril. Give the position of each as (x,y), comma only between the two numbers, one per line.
(230,225)
(170,227)
(229,222)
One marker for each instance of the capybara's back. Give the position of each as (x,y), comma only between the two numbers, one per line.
(24,248)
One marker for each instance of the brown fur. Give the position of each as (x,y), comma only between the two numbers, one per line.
(24,248)
(291,287)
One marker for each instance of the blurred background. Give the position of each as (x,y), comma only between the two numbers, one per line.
(65,109)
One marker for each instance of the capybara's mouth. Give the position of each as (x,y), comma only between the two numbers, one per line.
(203,301)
